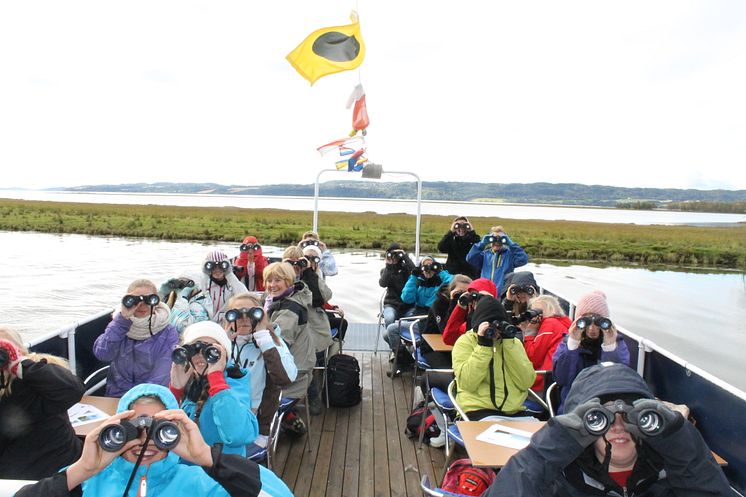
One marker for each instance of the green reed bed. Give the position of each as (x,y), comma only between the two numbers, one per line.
(682,246)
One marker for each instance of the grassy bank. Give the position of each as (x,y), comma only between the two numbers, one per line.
(714,247)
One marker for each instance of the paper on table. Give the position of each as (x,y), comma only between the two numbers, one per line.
(505,436)
(81,414)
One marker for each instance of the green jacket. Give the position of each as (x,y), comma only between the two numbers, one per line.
(471,366)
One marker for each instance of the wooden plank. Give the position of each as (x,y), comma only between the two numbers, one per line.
(366,476)
(382,485)
(319,474)
(395,463)
(351,456)
(411,473)
(308,459)
(341,433)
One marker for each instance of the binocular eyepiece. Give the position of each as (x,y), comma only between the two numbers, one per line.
(527,316)
(313,258)
(584,322)
(434,267)
(306,243)
(516,289)
(165,434)
(598,420)
(301,263)
(395,254)
(466,226)
(210,265)
(179,283)
(182,354)
(501,329)
(130,301)
(245,247)
(255,314)
(467,298)
(503,240)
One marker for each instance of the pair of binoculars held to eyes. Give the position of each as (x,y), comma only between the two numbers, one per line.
(164,434)
(179,283)
(466,226)
(245,247)
(502,240)
(306,243)
(224,265)
(301,263)
(255,314)
(598,419)
(501,329)
(467,298)
(585,322)
(527,316)
(528,289)
(181,355)
(130,301)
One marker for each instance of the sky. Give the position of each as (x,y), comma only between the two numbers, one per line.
(635,93)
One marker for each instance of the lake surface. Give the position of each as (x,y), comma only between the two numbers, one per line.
(503,211)
(50,281)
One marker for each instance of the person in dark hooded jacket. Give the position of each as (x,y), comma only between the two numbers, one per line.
(519,288)
(456,243)
(622,456)
(394,276)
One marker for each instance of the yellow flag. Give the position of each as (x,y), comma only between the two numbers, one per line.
(329,50)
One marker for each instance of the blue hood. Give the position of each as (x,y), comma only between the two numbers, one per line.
(144,389)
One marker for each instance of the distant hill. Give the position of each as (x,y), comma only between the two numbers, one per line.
(535,193)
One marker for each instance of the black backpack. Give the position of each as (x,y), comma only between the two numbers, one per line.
(343,380)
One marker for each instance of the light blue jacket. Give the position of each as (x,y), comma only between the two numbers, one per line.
(423,296)
(226,417)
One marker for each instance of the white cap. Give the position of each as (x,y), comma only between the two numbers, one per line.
(207,329)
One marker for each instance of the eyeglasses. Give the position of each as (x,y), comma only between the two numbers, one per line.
(245,247)
(466,226)
(302,263)
(255,314)
(130,301)
(224,265)
(306,243)
(600,321)
(522,289)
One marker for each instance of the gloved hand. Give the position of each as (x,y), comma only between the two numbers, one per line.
(573,422)
(644,425)
(10,356)
(510,242)
(486,240)
(262,338)
(186,292)
(436,267)
(417,272)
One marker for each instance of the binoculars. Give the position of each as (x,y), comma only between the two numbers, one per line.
(210,265)
(313,258)
(501,329)
(165,434)
(586,321)
(598,419)
(255,314)
(182,354)
(466,226)
(503,240)
(306,243)
(521,289)
(434,267)
(527,316)
(301,263)
(467,298)
(245,247)
(396,254)
(130,301)
(179,283)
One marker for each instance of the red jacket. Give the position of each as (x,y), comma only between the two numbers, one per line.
(456,326)
(260,262)
(540,348)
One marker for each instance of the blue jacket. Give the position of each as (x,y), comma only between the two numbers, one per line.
(495,265)
(226,417)
(414,292)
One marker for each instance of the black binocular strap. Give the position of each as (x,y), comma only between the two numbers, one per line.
(137,463)
(492,381)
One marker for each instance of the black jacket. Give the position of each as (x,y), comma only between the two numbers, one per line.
(393,278)
(457,247)
(36,438)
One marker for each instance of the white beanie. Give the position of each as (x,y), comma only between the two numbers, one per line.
(207,329)
(312,250)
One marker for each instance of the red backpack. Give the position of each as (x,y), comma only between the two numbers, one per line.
(463,478)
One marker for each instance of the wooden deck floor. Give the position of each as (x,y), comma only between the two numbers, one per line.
(361,450)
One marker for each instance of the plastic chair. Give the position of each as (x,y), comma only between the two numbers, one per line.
(552,398)
(381,323)
(95,380)
(535,403)
(439,398)
(429,490)
(258,454)
(410,336)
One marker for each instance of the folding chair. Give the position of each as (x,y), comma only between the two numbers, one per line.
(453,431)
(535,403)
(381,322)
(259,454)
(95,380)
(286,404)
(552,398)
(439,398)
(410,336)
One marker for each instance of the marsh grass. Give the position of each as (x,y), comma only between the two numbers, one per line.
(679,246)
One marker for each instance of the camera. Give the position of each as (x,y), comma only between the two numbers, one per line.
(130,301)
(527,316)
(245,247)
(255,314)
(306,243)
(210,265)
(598,420)
(467,298)
(522,289)
(586,321)
(164,434)
(501,329)
(182,354)
(179,283)
(466,226)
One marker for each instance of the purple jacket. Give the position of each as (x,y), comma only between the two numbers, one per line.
(567,364)
(134,361)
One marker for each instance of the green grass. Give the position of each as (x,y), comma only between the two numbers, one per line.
(674,246)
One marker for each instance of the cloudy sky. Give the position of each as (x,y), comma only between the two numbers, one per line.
(635,93)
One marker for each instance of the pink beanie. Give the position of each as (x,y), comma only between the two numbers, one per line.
(593,303)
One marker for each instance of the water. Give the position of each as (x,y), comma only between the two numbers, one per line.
(53,280)
(504,211)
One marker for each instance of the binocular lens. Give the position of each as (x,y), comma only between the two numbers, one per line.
(650,423)
(603,323)
(596,422)
(232,316)
(130,301)
(180,355)
(211,354)
(306,243)
(166,436)
(112,438)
